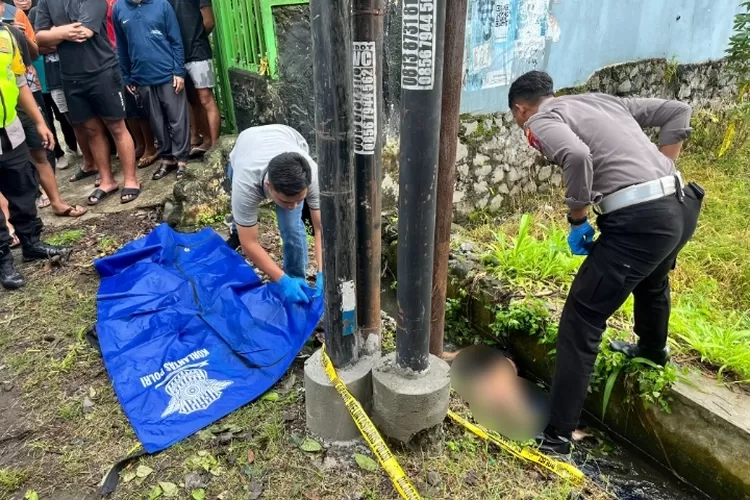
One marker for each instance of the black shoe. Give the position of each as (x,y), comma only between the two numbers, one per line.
(658,356)
(233,241)
(10,278)
(551,442)
(36,249)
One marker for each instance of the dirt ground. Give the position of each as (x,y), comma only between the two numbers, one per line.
(62,428)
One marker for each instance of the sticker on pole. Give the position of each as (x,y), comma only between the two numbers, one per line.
(365,99)
(418,44)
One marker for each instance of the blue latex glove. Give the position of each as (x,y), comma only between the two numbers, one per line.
(292,290)
(581,238)
(319,284)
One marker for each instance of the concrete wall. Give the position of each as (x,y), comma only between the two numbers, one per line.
(571,39)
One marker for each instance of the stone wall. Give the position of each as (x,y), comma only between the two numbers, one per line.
(496,166)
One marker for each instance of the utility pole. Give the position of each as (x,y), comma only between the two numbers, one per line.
(421,90)
(367,119)
(332,65)
(455,32)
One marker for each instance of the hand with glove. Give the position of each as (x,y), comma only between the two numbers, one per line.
(319,284)
(581,238)
(292,290)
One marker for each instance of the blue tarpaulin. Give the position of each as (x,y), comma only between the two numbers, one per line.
(189,333)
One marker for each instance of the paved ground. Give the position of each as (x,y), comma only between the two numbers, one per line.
(153,193)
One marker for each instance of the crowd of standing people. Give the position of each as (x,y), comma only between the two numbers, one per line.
(131,77)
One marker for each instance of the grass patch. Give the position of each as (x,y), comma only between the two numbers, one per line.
(70,237)
(11,480)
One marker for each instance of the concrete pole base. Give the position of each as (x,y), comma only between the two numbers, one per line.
(404,406)
(327,416)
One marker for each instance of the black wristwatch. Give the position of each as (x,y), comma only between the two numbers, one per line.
(577,222)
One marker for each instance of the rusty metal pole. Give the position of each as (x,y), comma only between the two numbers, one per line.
(367,29)
(453,60)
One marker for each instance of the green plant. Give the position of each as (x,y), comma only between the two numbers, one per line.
(11,480)
(670,72)
(738,52)
(530,317)
(525,257)
(68,237)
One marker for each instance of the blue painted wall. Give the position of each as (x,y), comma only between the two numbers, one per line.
(597,33)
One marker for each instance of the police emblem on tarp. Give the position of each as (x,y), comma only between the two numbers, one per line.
(534,141)
(192,391)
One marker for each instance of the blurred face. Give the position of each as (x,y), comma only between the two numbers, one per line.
(285,201)
(24,5)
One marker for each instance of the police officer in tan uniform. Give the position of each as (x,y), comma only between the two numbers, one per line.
(644,212)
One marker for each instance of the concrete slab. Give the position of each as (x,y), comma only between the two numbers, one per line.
(403,405)
(153,194)
(327,416)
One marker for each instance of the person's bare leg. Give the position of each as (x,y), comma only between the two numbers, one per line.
(195,136)
(125,151)
(49,182)
(135,128)
(6,213)
(211,115)
(82,138)
(148,138)
(99,146)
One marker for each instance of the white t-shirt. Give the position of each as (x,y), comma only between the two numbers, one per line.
(255,147)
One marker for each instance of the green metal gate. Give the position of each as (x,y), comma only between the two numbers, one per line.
(244,38)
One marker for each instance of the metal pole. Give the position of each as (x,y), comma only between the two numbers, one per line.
(423,27)
(367,118)
(332,70)
(455,33)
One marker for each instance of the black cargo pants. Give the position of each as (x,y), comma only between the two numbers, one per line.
(634,253)
(20,185)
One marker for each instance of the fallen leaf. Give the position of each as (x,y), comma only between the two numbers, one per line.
(169,489)
(143,471)
(270,396)
(128,476)
(250,456)
(31,495)
(310,445)
(366,462)
(217,471)
(154,493)
(205,435)
(198,494)
(92,392)
(255,490)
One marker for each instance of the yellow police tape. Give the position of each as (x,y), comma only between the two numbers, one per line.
(562,469)
(371,435)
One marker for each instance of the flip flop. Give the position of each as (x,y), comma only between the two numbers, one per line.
(82,174)
(43,202)
(197,152)
(147,161)
(99,195)
(134,192)
(163,170)
(69,212)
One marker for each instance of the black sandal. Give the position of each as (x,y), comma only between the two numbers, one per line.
(181,169)
(98,195)
(126,192)
(164,170)
(82,174)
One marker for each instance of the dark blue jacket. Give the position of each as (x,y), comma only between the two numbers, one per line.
(148,42)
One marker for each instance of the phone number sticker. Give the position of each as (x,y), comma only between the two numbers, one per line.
(365,101)
(418,45)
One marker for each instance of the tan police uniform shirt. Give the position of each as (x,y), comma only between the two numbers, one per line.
(598,141)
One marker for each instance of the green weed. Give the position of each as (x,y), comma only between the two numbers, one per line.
(11,480)
(68,237)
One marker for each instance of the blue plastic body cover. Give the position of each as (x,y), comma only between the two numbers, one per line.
(189,333)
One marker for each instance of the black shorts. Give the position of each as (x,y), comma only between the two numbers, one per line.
(101,95)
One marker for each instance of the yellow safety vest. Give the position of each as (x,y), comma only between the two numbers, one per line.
(11,66)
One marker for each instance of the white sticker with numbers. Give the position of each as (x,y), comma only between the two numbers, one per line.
(365,100)
(418,45)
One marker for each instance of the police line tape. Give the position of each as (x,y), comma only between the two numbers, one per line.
(564,470)
(371,434)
